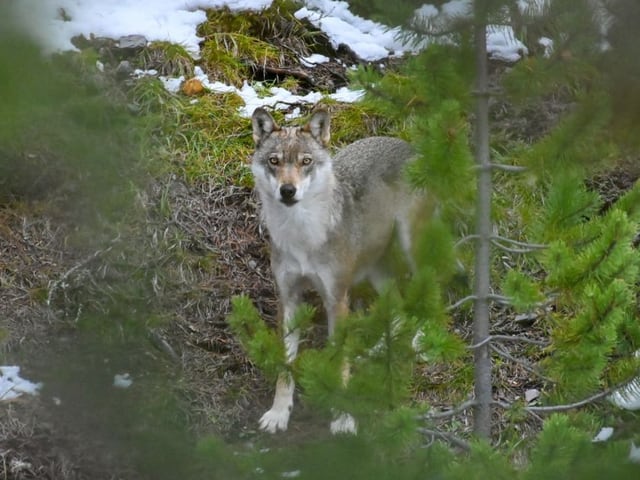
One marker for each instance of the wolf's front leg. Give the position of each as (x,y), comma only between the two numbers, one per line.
(343,422)
(277,418)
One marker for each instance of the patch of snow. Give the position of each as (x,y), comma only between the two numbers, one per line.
(291,474)
(314,59)
(502,44)
(54,22)
(13,386)
(547,43)
(458,8)
(426,11)
(627,397)
(369,40)
(634,453)
(603,435)
(346,95)
(274,97)
(533,8)
(172,84)
(123,380)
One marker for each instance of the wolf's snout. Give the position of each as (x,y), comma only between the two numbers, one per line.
(287,192)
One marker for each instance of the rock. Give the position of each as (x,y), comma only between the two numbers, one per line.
(531,395)
(124,70)
(133,42)
(193,86)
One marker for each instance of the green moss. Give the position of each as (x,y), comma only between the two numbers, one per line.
(353,121)
(149,96)
(212,140)
(229,56)
(167,58)
(237,43)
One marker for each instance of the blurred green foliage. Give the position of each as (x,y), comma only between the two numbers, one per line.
(63,139)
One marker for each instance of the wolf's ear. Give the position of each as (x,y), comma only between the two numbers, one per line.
(263,125)
(319,126)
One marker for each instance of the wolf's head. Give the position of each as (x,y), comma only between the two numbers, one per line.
(290,162)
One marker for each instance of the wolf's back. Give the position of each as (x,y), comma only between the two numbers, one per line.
(371,160)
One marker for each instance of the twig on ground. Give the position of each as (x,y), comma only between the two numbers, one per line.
(53,286)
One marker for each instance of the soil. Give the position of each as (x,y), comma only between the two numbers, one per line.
(191,378)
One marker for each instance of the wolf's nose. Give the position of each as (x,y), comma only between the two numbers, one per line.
(287,191)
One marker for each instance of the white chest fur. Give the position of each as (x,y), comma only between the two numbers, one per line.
(300,232)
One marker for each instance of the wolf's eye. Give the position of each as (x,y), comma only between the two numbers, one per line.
(306,160)
(273,160)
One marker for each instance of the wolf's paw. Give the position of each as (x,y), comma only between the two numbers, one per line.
(344,423)
(274,420)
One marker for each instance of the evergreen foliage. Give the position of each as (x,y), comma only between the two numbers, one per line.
(262,343)
(593,270)
(563,451)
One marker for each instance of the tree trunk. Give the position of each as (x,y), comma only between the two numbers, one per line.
(482,285)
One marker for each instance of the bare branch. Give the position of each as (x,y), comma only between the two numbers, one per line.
(572,406)
(504,248)
(466,239)
(563,407)
(498,241)
(462,301)
(517,243)
(470,298)
(449,413)
(498,166)
(508,168)
(447,437)
(509,338)
(499,299)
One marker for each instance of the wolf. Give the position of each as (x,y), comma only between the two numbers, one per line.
(331,221)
